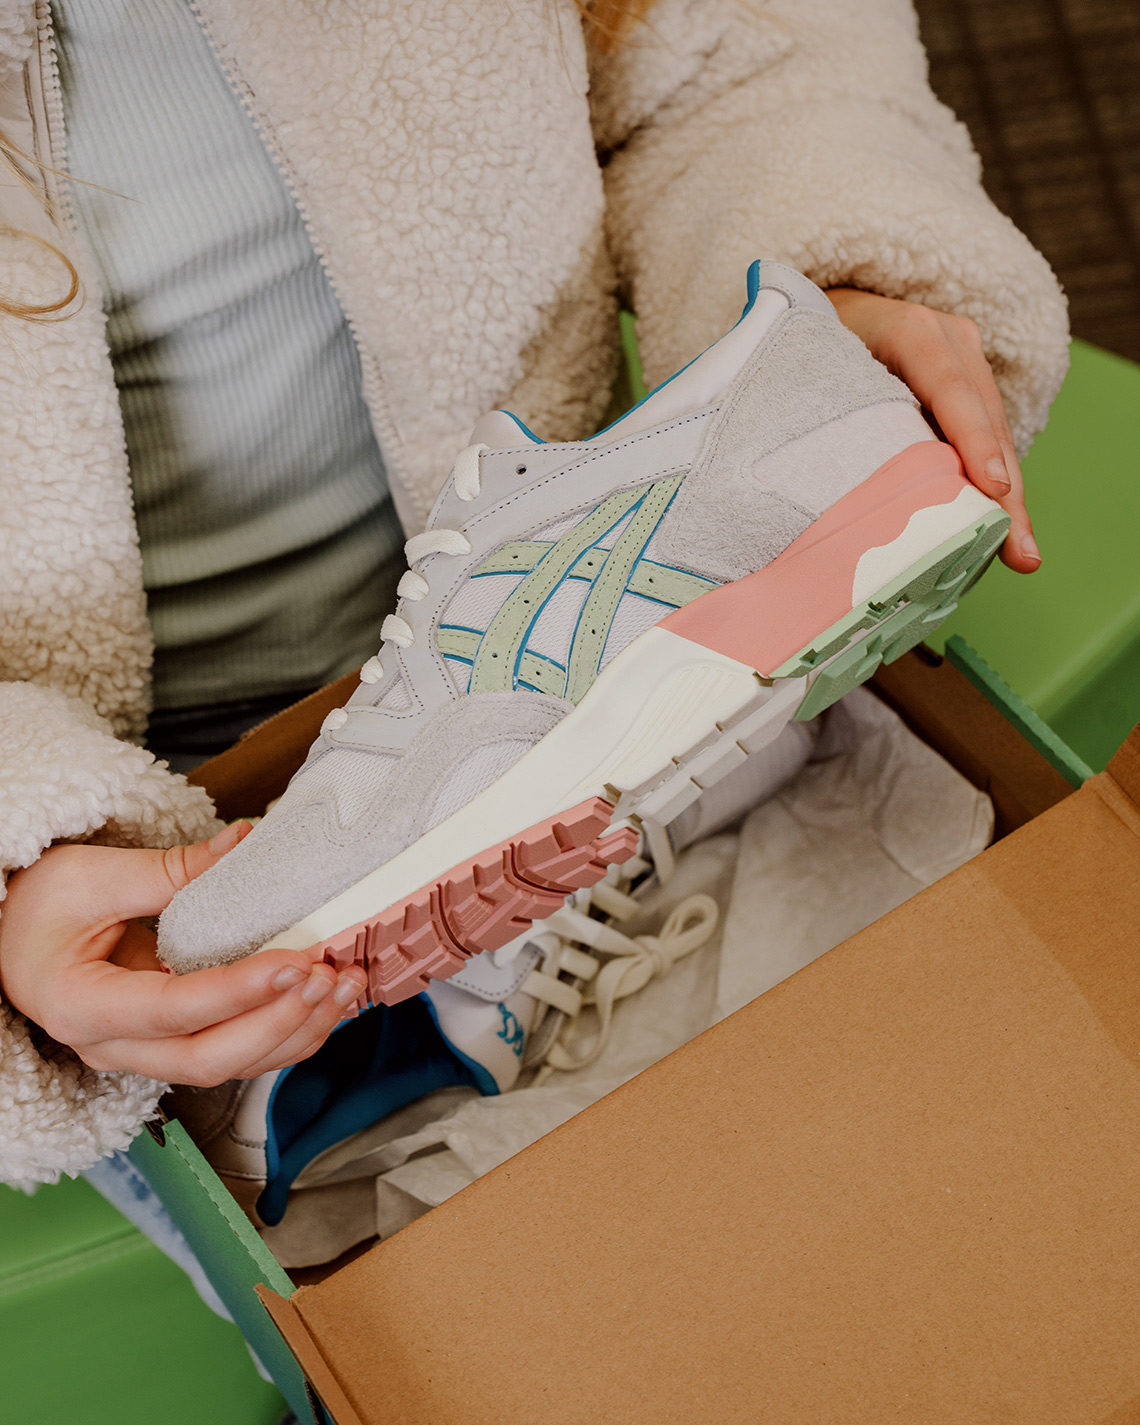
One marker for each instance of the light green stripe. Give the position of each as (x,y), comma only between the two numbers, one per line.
(609,586)
(669,586)
(518,557)
(651,580)
(541,673)
(458,642)
(494,663)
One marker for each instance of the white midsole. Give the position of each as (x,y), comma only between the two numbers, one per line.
(654,701)
(925,530)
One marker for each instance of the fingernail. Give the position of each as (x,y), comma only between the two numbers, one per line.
(997,474)
(316,989)
(228,837)
(1029,548)
(288,977)
(348,990)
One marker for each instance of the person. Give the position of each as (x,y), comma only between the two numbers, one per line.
(301,250)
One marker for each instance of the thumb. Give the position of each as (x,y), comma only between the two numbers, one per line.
(183,863)
(148,884)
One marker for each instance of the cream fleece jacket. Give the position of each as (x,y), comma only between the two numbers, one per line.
(445,154)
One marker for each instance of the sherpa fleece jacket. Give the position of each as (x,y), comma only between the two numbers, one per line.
(479,187)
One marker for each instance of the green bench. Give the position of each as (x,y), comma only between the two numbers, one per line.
(97,1327)
(1068,637)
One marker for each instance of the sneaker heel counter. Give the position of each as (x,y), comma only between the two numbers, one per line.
(757,482)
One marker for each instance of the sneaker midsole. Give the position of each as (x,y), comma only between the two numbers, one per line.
(863,542)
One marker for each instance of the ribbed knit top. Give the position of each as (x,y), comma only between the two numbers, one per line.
(268,535)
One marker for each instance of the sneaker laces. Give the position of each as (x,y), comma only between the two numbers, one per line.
(582,940)
(466,479)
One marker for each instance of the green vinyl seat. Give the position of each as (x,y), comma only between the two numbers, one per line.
(1067,638)
(97,1327)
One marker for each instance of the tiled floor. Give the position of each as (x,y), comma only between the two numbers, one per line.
(1049,91)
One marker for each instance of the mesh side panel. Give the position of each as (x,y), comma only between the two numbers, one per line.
(555,625)
(351,778)
(633,616)
(559,527)
(474,773)
(567,523)
(397,697)
(460,671)
(479,600)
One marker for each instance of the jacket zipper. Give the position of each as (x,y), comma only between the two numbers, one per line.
(58,195)
(372,385)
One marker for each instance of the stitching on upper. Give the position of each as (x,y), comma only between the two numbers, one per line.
(600,454)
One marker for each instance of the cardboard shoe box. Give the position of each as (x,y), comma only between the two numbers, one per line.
(925,1204)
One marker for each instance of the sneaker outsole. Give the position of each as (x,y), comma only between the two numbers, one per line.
(480,904)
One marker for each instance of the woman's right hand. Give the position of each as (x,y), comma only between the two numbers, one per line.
(75,960)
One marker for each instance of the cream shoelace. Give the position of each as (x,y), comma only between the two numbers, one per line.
(413,586)
(604,964)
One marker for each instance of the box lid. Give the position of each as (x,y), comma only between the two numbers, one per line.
(902,1185)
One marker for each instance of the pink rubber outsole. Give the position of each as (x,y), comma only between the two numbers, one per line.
(480,904)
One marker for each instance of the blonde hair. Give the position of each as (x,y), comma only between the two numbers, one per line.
(608,23)
(13,159)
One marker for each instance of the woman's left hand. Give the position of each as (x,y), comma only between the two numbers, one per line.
(940,357)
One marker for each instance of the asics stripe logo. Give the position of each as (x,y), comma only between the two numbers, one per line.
(500,657)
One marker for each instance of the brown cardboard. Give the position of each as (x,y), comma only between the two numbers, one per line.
(1124,769)
(321,1380)
(902,1185)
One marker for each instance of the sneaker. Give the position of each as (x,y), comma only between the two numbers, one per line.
(589,634)
(391,1070)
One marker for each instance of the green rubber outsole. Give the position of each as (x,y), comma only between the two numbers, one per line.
(901,614)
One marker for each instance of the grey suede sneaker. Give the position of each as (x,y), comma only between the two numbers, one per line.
(596,631)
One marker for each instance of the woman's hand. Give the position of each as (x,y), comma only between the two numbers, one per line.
(76,961)
(940,358)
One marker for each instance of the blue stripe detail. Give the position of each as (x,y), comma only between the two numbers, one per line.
(629,576)
(753,293)
(673,568)
(753,281)
(543,658)
(524,427)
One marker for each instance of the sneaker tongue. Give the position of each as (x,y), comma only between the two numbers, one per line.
(499,430)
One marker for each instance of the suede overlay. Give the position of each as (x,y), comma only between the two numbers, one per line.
(808,371)
(301,857)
